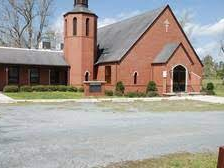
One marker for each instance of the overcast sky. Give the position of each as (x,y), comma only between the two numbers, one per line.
(207,18)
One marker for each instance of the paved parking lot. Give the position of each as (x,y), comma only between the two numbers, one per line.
(83,135)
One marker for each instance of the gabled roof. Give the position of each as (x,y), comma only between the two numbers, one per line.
(116,40)
(31,57)
(166,53)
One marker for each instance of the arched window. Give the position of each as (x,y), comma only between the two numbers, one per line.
(87,76)
(75,26)
(66,30)
(135,78)
(87,27)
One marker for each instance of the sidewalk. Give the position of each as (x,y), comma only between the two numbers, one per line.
(208,99)
(6,99)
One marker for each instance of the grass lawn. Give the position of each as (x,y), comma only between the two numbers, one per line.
(164,106)
(45,95)
(219,87)
(184,160)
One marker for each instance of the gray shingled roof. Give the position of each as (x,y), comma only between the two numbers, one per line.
(166,53)
(116,40)
(31,57)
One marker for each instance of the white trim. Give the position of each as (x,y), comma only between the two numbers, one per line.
(86,73)
(88,82)
(196,75)
(171,78)
(135,73)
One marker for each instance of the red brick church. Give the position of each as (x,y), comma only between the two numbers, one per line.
(148,47)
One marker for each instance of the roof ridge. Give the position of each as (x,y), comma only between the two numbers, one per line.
(26,49)
(130,18)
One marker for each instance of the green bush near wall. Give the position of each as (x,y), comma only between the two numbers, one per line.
(11,89)
(109,93)
(40,88)
(26,89)
(81,89)
(120,88)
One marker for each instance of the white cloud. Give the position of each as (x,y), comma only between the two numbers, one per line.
(206,30)
(208,49)
(206,37)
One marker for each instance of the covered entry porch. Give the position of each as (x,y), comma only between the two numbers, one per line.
(174,71)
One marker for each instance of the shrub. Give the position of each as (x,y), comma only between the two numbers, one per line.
(152,94)
(109,93)
(81,89)
(71,89)
(151,87)
(25,89)
(120,88)
(62,88)
(11,89)
(210,86)
(40,88)
(52,88)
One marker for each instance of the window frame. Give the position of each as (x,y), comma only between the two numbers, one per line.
(37,81)
(55,77)
(87,26)
(108,74)
(87,74)
(75,26)
(66,27)
(13,79)
(135,78)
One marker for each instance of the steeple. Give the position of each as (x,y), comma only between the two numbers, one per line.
(83,3)
(80,42)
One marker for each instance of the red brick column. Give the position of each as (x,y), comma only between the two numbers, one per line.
(6,75)
(28,76)
(221,158)
(49,77)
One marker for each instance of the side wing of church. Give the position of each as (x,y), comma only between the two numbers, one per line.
(148,47)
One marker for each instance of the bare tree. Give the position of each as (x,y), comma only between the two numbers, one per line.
(24,21)
(12,24)
(44,11)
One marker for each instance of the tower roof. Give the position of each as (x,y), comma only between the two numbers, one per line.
(80,6)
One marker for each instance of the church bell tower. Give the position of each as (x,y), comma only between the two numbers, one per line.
(80,42)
